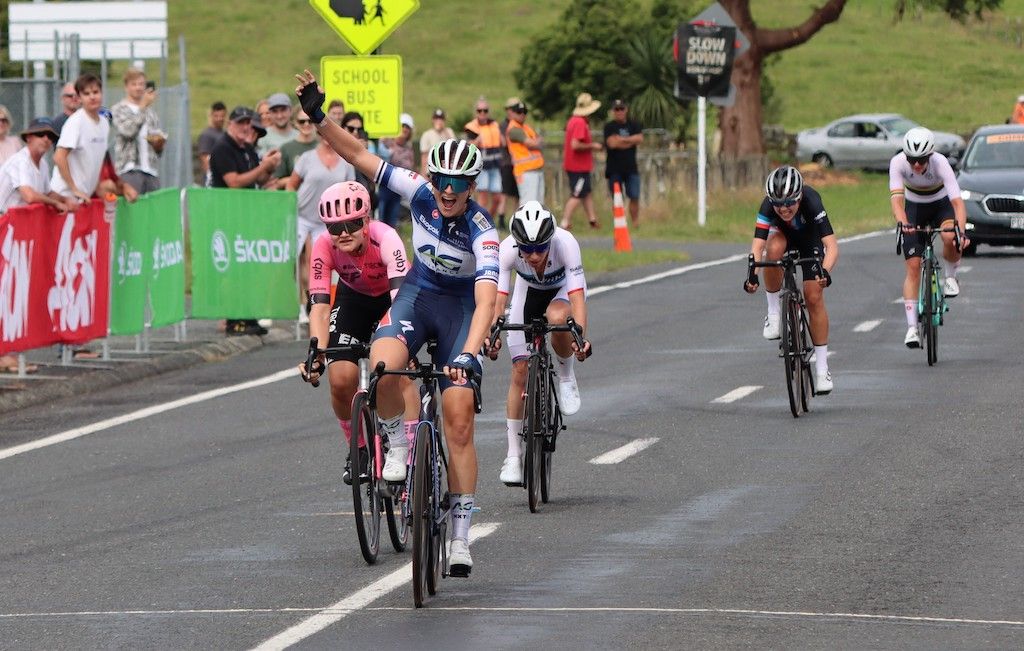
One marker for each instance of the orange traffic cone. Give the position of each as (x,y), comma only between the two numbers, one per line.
(622,242)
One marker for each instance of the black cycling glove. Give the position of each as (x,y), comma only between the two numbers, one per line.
(312,101)
(468,363)
(827,276)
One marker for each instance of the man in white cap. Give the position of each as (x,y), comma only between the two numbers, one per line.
(399,152)
(431,137)
(578,160)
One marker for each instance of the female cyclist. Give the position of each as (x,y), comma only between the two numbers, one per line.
(448,294)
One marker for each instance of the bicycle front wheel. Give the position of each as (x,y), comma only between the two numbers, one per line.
(533,428)
(807,382)
(422,516)
(365,501)
(553,426)
(931,311)
(790,345)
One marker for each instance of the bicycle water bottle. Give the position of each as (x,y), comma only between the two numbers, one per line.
(110,207)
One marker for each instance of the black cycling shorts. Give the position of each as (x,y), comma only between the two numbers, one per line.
(353,318)
(807,247)
(931,214)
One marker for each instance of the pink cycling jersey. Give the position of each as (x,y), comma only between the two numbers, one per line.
(380,268)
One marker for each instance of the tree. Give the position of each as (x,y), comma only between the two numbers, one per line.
(957,9)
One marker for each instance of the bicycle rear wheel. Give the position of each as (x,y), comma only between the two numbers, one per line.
(790,344)
(422,517)
(398,524)
(931,307)
(365,502)
(553,425)
(807,381)
(533,428)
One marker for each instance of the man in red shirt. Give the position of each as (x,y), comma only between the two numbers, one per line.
(578,159)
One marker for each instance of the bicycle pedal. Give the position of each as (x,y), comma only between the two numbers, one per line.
(459,571)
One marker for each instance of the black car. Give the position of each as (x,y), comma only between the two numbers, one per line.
(991,178)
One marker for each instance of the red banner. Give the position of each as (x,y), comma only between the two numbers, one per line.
(54,276)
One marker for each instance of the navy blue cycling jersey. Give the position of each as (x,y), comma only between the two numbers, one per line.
(810,223)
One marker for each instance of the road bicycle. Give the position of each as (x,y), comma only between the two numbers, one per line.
(424,499)
(542,419)
(931,299)
(372,496)
(795,344)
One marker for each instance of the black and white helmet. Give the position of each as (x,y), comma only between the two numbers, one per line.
(455,158)
(918,142)
(532,224)
(784,184)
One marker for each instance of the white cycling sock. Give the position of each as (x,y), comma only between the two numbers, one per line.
(773,301)
(565,366)
(954,268)
(821,359)
(910,308)
(462,514)
(515,429)
(389,427)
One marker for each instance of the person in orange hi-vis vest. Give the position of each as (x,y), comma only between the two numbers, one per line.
(527,161)
(1018,111)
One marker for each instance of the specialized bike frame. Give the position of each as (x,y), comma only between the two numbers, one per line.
(542,417)
(931,299)
(425,499)
(795,346)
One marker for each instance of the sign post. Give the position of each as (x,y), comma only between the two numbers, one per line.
(705,49)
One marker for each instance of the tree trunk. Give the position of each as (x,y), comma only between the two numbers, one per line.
(741,122)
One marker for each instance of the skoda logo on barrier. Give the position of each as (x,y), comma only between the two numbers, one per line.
(219,249)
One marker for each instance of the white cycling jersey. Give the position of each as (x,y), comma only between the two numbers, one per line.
(937,181)
(564,266)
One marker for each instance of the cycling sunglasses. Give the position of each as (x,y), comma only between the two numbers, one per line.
(527,249)
(917,160)
(785,203)
(350,226)
(442,181)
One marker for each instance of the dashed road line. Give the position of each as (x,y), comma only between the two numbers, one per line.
(867,326)
(626,451)
(737,393)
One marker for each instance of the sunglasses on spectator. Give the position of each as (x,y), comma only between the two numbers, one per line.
(917,160)
(303,121)
(619,108)
(483,110)
(69,95)
(785,203)
(351,129)
(350,226)
(441,182)
(527,249)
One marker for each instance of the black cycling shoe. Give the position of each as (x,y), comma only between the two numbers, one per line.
(364,476)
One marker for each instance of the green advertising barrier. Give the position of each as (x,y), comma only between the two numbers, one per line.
(243,253)
(147,263)
(166,254)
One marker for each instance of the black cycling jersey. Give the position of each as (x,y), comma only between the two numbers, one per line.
(808,226)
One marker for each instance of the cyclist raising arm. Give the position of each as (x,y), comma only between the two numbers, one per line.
(370,259)
(449,294)
(549,282)
(923,190)
(792,216)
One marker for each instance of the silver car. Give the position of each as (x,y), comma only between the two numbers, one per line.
(868,141)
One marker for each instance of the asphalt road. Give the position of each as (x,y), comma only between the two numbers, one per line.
(890,516)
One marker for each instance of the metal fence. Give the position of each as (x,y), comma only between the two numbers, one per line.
(29,98)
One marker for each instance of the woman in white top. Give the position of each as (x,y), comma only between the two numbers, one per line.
(9,145)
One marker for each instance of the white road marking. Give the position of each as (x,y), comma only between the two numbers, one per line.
(738,611)
(868,326)
(79,432)
(964,269)
(736,394)
(623,453)
(357,600)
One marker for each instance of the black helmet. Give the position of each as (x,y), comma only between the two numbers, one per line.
(784,184)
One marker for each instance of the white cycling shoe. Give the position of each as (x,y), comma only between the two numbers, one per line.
(512,471)
(771,327)
(460,563)
(823,383)
(394,464)
(951,287)
(912,340)
(569,396)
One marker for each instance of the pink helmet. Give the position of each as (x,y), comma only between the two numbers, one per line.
(343,202)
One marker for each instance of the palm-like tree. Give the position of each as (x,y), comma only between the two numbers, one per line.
(652,81)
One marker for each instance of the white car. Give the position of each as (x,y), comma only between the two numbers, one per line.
(868,141)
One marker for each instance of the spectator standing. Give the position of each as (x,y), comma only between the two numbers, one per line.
(9,145)
(138,139)
(336,110)
(488,140)
(25,176)
(1018,111)
(524,148)
(509,189)
(399,152)
(215,120)
(438,132)
(291,150)
(578,160)
(70,102)
(279,129)
(314,172)
(263,111)
(621,138)
(353,123)
(82,145)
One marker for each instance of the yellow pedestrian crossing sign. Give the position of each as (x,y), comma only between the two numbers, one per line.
(364,24)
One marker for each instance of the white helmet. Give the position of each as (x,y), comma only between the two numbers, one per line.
(532,224)
(455,158)
(918,142)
